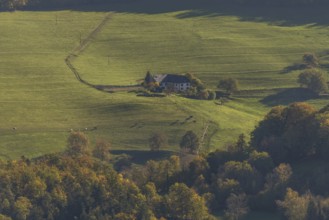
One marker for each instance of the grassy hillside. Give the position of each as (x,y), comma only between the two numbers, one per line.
(43,99)
(39,95)
(208,44)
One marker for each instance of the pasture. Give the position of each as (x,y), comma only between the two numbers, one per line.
(42,98)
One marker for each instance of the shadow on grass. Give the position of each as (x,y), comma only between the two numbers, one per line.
(294,67)
(288,96)
(324,66)
(273,15)
(142,156)
(119,109)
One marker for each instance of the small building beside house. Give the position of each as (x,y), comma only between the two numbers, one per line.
(174,82)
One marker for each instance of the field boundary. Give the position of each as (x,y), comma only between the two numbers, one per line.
(80,48)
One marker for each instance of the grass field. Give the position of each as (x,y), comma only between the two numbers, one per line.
(43,99)
(207,44)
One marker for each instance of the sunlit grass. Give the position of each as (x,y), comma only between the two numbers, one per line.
(44,101)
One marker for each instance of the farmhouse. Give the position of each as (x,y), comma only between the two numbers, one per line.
(174,82)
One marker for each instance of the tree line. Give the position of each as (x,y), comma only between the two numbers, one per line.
(282,169)
(80,184)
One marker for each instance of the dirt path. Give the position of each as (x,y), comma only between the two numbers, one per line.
(79,49)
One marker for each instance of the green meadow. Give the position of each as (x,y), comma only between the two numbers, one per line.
(43,100)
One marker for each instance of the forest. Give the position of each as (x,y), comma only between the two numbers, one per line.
(282,169)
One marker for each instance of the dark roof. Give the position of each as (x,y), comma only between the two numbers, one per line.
(173,78)
(160,77)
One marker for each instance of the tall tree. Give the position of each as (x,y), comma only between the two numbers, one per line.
(102,150)
(287,133)
(244,173)
(184,203)
(314,80)
(148,78)
(230,85)
(294,207)
(22,208)
(157,141)
(310,60)
(190,142)
(77,143)
(237,206)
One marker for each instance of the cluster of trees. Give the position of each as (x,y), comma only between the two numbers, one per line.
(229,85)
(66,187)
(268,174)
(313,77)
(236,180)
(314,80)
(293,133)
(157,141)
(75,185)
(304,207)
(197,90)
(189,143)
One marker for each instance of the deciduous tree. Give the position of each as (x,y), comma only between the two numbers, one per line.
(22,208)
(314,80)
(294,207)
(261,161)
(237,206)
(287,133)
(77,143)
(102,150)
(190,142)
(310,60)
(244,173)
(157,141)
(230,85)
(184,203)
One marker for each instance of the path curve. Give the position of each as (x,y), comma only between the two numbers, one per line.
(79,49)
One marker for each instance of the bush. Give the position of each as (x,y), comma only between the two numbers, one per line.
(314,80)
(77,143)
(203,95)
(102,150)
(212,95)
(158,140)
(190,142)
(293,206)
(310,60)
(230,85)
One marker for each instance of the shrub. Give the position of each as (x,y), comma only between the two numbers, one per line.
(314,80)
